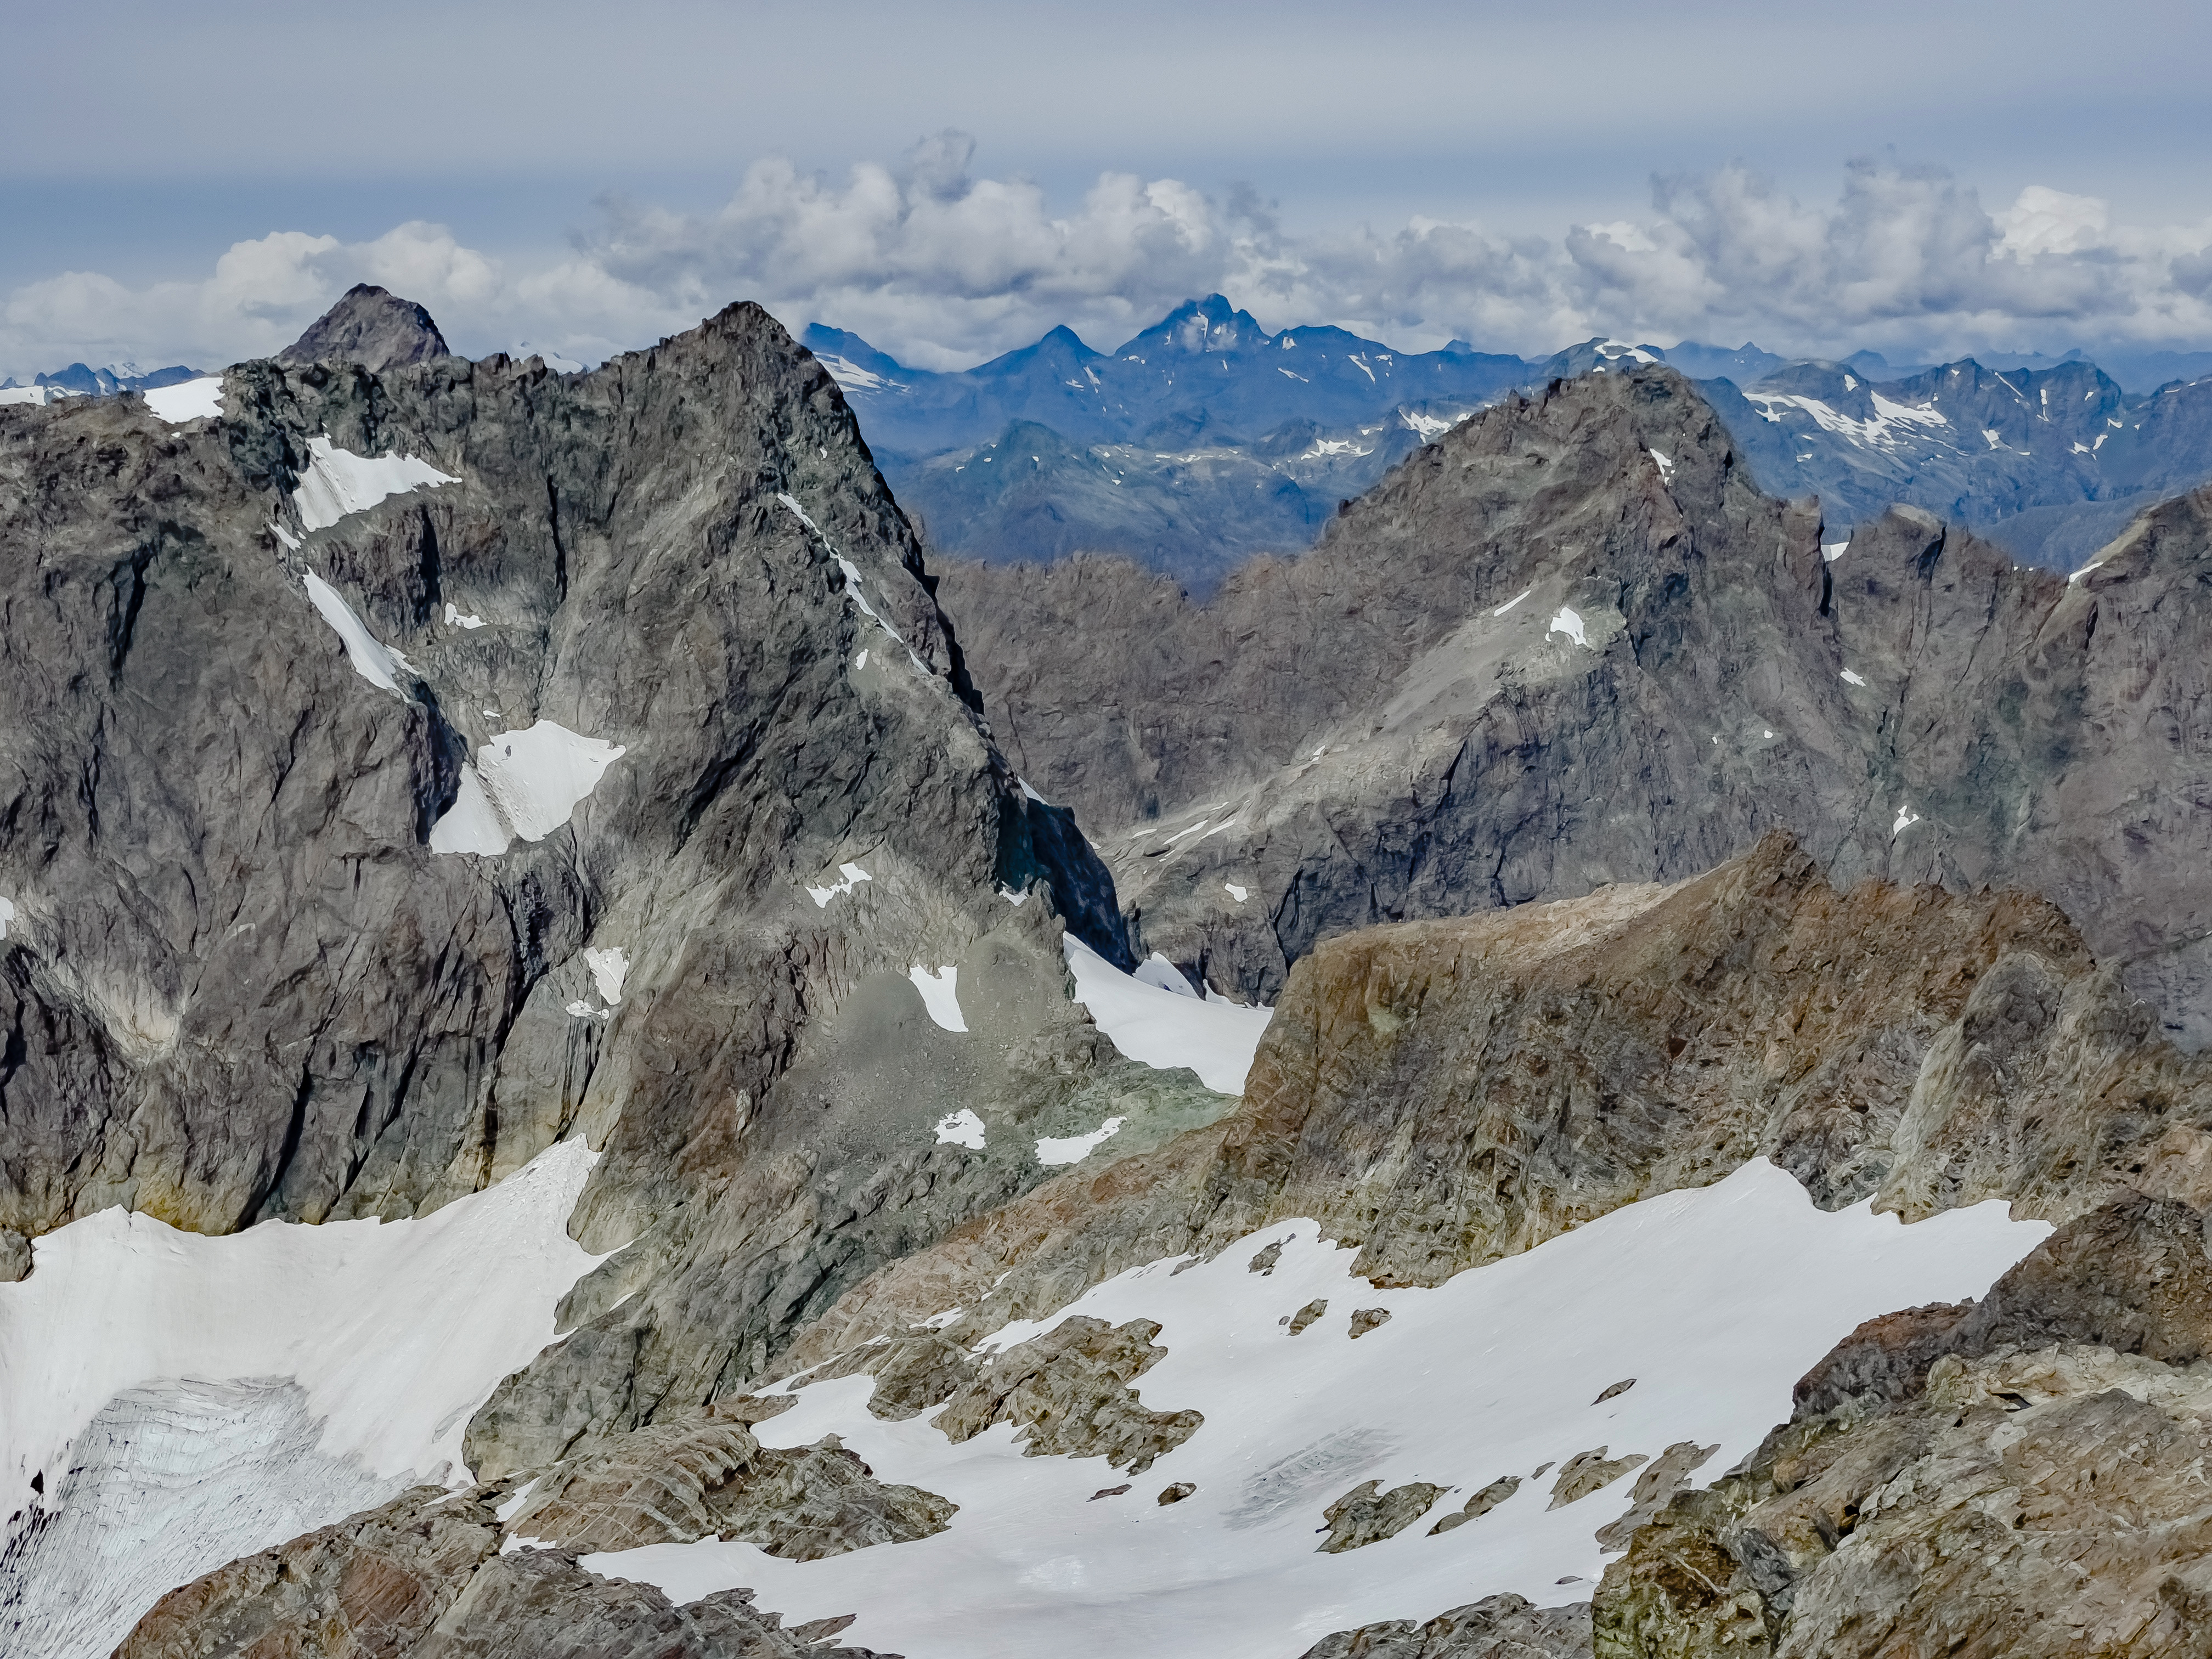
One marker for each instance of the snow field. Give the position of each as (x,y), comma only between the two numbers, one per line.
(189,400)
(524,785)
(1714,1301)
(1162,1028)
(299,1369)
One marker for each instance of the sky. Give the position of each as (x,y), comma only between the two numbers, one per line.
(183,183)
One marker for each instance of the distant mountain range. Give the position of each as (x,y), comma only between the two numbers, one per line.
(81,380)
(1206,440)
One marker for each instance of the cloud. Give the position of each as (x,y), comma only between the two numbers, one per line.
(942,267)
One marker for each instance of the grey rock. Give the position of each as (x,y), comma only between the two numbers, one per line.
(1175,1493)
(1481,1503)
(1306,1316)
(371,326)
(1367,1515)
(1655,1486)
(1364,1320)
(1067,1394)
(1496,1627)
(1586,1471)
(675,1482)
(1386,740)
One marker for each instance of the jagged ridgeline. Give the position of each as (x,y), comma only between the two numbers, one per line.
(568,1093)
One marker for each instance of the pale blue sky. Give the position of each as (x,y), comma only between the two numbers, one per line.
(145,140)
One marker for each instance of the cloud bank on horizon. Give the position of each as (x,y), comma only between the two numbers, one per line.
(943,269)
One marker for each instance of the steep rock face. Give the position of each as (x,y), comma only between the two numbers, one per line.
(1496,1627)
(1445,1094)
(407,771)
(1569,643)
(371,326)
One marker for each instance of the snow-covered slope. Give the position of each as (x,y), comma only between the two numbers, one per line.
(1161,1027)
(1709,1302)
(174,1401)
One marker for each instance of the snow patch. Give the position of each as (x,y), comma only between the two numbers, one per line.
(188,400)
(455,618)
(609,967)
(1240,894)
(1666,466)
(1831,552)
(1569,623)
(338,482)
(1853,679)
(1716,1299)
(7,915)
(1905,818)
(373,660)
(1073,1149)
(938,995)
(854,875)
(852,591)
(1515,600)
(1166,1029)
(522,785)
(961,1128)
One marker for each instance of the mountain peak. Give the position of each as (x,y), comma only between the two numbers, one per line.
(1210,324)
(370,326)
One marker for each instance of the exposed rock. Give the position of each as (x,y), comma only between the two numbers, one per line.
(372,1585)
(370,326)
(1654,1487)
(1068,1392)
(2030,1504)
(1614,1390)
(1496,1627)
(1364,1320)
(542,1604)
(1535,1069)
(672,1483)
(914,1373)
(1264,1263)
(1306,1316)
(1175,1493)
(15,1255)
(1885,1360)
(1586,1471)
(1109,1491)
(1481,1503)
(1366,1515)
(1388,736)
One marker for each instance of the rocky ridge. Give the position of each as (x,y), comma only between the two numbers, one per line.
(1569,643)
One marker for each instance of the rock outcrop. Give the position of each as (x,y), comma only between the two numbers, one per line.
(1496,1627)
(371,326)
(1569,644)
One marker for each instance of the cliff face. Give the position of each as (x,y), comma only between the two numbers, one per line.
(1569,643)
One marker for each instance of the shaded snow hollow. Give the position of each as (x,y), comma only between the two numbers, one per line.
(327,1363)
(1715,1301)
(523,784)
(1164,1028)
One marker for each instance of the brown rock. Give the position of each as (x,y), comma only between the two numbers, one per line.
(1306,1316)
(1585,1472)
(1068,1392)
(1496,1627)
(1482,1503)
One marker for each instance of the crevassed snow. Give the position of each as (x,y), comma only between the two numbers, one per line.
(961,1128)
(456,618)
(1073,1149)
(1515,600)
(329,1364)
(522,784)
(1569,623)
(1852,678)
(1715,1300)
(854,875)
(939,994)
(1156,969)
(1161,1029)
(609,967)
(338,482)
(188,400)
(373,660)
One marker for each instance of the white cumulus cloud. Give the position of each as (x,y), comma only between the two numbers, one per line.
(943,267)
